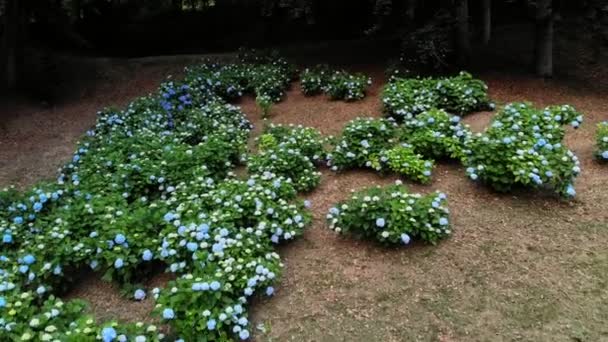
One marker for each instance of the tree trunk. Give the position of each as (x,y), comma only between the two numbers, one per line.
(462,28)
(544,39)
(75,11)
(10,44)
(410,11)
(486,7)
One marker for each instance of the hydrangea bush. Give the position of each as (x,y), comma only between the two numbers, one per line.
(602,141)
(392,215)
(148,185)
(404,161)
(307,139)
(338,84)
(523,147)
(403,99)
(314,80)
(361,142)
(348,87)
(436,134)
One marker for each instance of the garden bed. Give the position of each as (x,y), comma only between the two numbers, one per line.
(340,288)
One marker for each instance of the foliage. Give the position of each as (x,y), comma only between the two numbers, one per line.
(403,99)
(313,81)
(602,141)
(288,162)
(391,215)
(524,147)
(436,134)
(152,184)
(348,87)
(265,104)
(339,85)
(307,139)
(404,161)
(229,81)
(361,143)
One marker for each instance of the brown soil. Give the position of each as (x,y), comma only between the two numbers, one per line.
(521,266)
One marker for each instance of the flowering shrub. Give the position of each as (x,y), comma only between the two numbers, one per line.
(391,215)
(265,80)
(308,140)
(404,161)
(313,81)
(602,141)
(403,99)
(436,134)
(218,237)
(153,184)
(288,162)
(524,147)
(361,142)
(348,87)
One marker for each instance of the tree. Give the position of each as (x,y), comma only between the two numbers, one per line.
(10,43)
(486,9)
(544,38)
(462,31)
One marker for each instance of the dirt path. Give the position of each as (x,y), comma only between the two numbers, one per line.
(522,266)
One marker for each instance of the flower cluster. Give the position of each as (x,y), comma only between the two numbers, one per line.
(403,99)
(524,147)
(148,185)
(361,143)
(436,134)
(348,87)
(602,141)
(391,215)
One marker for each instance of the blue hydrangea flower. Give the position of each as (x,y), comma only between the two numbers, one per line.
(7,238)
(37,206)
(244,334)
(139,294)
(119,263)
(405,238)
(108,334)
(192,246)
(443,221)
(570,190)
(29,259)
(147,255)
(380,222)
(120,239)
(215,285)
(211,324)
(168,313)
(269,291)
(169,217)
(2,302)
